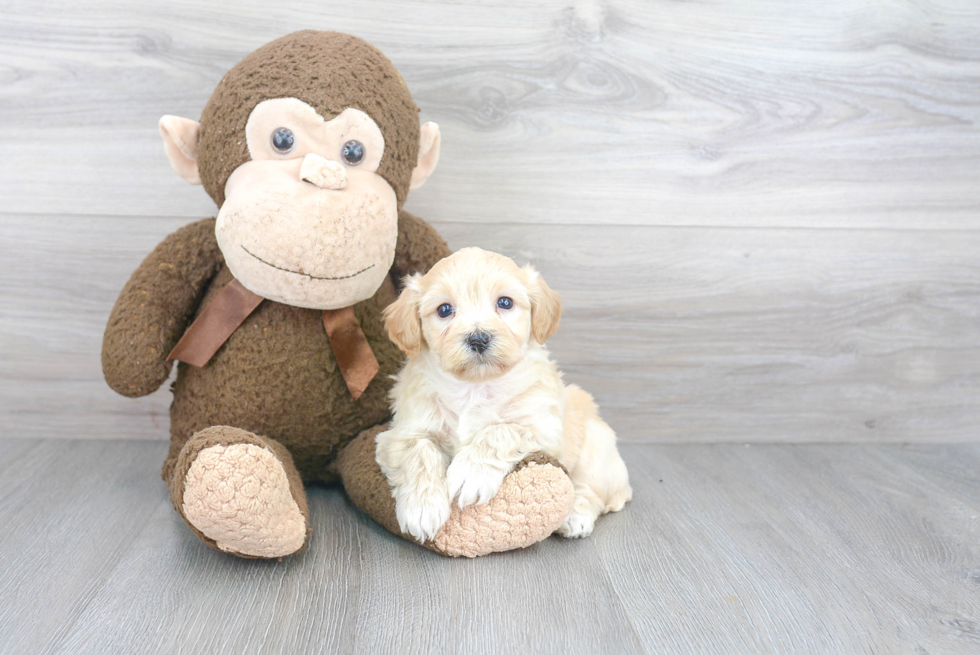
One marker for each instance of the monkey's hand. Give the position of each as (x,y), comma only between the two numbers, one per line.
(155,307)
(419,247)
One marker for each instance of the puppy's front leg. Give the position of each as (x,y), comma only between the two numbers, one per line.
(479,468)
(416,470)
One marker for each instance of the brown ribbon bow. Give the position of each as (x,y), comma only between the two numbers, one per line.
(235,303)
(351,349)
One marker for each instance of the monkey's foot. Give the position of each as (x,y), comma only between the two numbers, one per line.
(237,496)
(530,505)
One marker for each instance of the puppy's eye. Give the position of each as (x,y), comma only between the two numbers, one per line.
(505,303)
(445,310)
(283,140)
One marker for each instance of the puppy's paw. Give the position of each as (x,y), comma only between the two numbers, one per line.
(577,525)
(474,482)
(422,513)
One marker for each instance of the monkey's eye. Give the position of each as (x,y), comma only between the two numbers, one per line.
(445,310)
(283,140)
(505,303)
(352,153)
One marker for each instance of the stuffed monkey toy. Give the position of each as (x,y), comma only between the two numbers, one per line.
(309,147)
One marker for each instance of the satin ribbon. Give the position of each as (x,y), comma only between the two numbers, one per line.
(233,304)
(211,329)
(351,349)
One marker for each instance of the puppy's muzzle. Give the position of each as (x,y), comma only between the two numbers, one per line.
(479,341)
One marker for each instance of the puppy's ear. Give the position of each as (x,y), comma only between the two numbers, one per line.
(402,318)
(545,306)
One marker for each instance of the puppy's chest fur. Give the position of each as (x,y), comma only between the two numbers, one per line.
(530,395)
(469,408)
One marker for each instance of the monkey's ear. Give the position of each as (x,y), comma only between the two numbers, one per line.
(429,141)
(402,318)
(545,306)
(180,139)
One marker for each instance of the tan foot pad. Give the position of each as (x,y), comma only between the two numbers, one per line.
(530,505)
(239,497)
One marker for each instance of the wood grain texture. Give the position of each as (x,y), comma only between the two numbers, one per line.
(818,113)
(781,548)
(683,334)
(800,549)
(69,510)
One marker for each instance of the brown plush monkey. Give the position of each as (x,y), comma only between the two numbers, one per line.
(309,146)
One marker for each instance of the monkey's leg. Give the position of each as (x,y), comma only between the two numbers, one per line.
(240,493)
(530,505)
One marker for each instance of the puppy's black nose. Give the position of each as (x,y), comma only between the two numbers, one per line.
(479,341)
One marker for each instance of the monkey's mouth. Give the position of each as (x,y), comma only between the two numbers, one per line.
(312,277)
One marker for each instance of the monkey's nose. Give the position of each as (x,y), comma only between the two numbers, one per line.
(324,173)
(479,341)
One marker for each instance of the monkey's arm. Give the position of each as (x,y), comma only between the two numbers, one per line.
(419,247)
(155,307)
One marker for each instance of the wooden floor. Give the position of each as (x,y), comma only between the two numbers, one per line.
(725,549)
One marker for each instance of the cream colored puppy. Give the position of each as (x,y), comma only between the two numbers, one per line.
(479,393)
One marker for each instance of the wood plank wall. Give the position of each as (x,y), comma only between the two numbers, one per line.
(764,217)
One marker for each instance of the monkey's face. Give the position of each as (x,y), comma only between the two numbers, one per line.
(308,189)
(308,222)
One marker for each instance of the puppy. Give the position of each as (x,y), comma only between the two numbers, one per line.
(479,393)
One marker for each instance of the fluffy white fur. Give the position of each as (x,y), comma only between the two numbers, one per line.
(464,418)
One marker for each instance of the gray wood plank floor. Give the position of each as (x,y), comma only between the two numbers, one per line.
(725,549)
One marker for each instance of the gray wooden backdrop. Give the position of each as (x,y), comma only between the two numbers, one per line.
(764,217)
